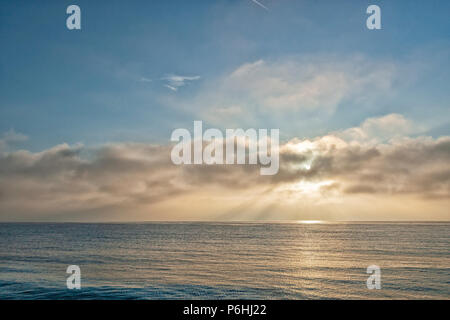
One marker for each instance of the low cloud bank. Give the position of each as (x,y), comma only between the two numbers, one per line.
(357,161)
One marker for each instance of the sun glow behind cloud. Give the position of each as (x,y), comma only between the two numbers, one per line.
(307,188)
(330,177)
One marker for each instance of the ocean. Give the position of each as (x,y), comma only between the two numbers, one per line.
(225,260)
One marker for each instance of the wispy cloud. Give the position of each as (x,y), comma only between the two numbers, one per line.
(171,87)
(276,89)
(260,4)
(11,137)
(176,81)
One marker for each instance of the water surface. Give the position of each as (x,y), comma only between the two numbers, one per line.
(225,260)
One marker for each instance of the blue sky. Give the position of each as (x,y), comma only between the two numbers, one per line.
(90,86)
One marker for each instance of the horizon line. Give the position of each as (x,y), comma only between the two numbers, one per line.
(235,221)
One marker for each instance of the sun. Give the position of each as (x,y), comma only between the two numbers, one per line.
(309,221)
(307,187)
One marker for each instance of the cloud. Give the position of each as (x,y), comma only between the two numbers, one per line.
(303,86)
(130,179)
(171,87)
(417,166)
(260,4)
(66,178)
(11,138)
(307,84)
(378,129)
(176,81)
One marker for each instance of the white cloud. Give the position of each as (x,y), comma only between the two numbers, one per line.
(176,81)
(379,129)
(300,85)
(307,84)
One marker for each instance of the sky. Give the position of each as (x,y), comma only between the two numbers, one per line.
(86,115)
